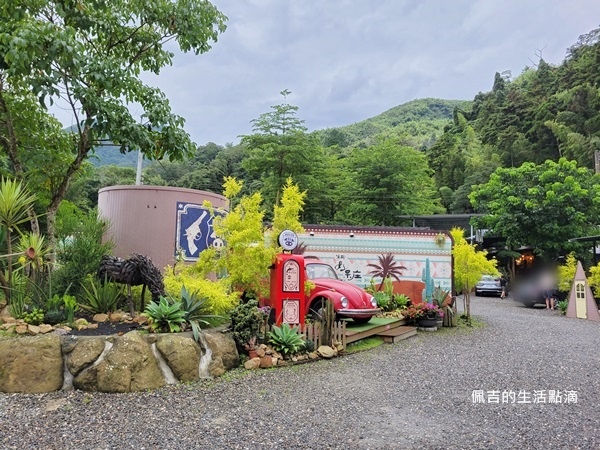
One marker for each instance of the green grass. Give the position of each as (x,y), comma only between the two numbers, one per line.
(462,325)
(364,344)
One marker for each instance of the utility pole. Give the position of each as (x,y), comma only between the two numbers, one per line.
(138,173)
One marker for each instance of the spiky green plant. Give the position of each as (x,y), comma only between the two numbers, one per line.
(164,316)
(195,310)
(100,297)
(285,339)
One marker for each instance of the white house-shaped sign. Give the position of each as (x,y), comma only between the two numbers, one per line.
(581,300)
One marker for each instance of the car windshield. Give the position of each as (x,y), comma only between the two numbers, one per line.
(320,270)
(487,278)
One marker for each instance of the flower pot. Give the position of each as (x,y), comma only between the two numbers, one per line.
(252,354)
(426,322)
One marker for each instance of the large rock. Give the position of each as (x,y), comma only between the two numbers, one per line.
(31,364)
(182,354)
(5,316)
(85,353)
(224,353)
(128,366)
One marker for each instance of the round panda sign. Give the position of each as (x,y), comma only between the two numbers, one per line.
(288,240)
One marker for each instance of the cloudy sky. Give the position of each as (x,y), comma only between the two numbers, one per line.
(348,60)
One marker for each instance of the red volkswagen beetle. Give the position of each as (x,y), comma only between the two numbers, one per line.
(349,301)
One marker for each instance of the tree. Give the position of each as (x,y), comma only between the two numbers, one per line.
(469,265)
(541,205)
(385,181)
(280,148)
(89,56)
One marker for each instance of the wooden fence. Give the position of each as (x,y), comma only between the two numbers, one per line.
(312,332)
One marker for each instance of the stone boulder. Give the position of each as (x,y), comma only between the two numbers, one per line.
(5,316)
(224,353)
(31,364)
(181,354)
(326,351)
(84,354)
(128,366)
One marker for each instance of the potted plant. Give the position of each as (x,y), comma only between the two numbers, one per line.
(424,314)
(250,347)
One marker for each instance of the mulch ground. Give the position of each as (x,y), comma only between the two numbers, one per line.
(107,328)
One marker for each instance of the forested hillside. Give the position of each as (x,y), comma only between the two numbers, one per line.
(547,112)
(420,122)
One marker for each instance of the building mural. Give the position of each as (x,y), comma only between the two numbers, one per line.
(349,250)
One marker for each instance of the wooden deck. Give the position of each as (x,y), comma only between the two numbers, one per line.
(390,329)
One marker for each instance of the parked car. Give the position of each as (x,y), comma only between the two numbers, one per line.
(488,285)
(349,301)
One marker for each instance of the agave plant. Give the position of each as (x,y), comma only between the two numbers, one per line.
(165,316)
(286,340)
(194,308)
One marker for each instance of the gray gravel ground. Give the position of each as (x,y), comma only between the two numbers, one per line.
(415,394)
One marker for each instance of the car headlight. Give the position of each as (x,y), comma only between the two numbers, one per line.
(344,301)
(374,302)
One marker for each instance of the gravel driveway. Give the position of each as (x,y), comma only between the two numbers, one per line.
(415,394)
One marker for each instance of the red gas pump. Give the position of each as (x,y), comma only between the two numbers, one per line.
(287,282)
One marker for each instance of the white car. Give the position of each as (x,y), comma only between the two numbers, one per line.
(488,285)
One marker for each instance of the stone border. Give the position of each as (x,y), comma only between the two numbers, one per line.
(127,363)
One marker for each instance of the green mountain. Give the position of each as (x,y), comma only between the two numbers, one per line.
(418,122)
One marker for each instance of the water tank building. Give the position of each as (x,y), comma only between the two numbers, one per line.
(160,222)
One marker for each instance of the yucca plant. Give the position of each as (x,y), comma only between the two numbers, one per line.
(15,203)
(165,316)
(286,340)
(100,297)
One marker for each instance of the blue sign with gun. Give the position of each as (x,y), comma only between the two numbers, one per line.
(194,231)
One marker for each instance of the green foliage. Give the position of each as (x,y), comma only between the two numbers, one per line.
(70,307)
(216,295)
(100,297)
(541,205)
(562,306)
(34,317)
(286,215)
(79,252)
(469,265)
(439,296)
(247,321)
(96,54)
(418,122)
(286,340)
(55,312)
(566,273)
(593,279)
(386,180)
(195,309)
(164,316)
(383,300)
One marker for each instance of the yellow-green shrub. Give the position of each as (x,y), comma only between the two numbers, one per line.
(219,300)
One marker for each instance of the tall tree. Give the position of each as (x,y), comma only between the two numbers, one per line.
(90,56)
(280,148)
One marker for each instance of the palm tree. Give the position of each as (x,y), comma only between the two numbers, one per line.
(387,267)
(15,202)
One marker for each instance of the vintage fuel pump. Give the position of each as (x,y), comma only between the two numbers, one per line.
(287,282)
